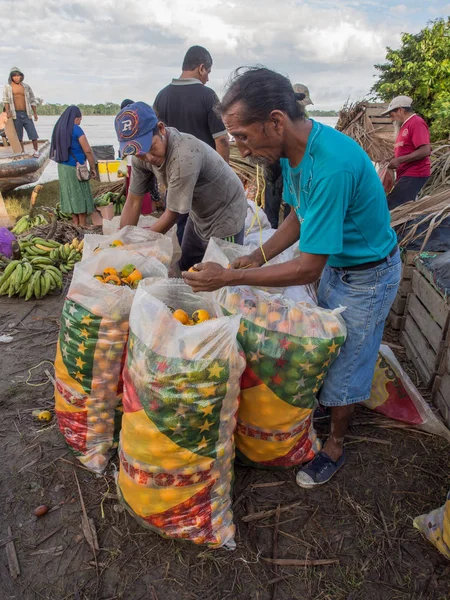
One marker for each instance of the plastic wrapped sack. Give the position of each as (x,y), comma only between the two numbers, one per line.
(90,355)
(180,400)
(6,240)
(435,527)
(394,395)
(289,348)
(135,239)
(145,222)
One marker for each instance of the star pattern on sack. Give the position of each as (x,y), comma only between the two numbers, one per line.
(242,328)
(78,338)
(333,347)
(215,370)
(309,347)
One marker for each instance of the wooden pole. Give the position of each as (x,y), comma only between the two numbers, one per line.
(5,220)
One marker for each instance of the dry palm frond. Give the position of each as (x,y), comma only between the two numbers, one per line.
(440,170)
(115,187)
(354,122)
(409,217)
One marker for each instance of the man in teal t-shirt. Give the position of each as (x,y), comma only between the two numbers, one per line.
(339,200)
(342,223)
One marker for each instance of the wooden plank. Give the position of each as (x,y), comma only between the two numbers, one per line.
(428,327)
(398,306)
(375,110)
(12,136)
(409,256)
(419,350)
(396,321)
(443,405)
(407,271)
(404,288)
(434,302)
(444,388)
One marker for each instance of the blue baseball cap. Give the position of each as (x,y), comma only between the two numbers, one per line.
(134,128)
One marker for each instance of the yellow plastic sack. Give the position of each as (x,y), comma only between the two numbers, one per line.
(435,527)
(289,347)
(181,391)
(90,356)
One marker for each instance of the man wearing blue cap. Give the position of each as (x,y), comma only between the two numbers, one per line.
(198,182)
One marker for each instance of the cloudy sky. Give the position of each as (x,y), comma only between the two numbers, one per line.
(104,50)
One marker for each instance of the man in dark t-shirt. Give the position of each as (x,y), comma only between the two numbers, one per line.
(188,105)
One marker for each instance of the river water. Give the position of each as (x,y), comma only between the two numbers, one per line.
(100,131)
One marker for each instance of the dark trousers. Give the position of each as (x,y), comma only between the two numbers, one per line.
(181,226)
(193,248)
(405,189)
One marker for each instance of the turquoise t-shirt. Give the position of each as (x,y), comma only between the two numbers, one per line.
(339,200)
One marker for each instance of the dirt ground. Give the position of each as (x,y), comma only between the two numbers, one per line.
(361,522)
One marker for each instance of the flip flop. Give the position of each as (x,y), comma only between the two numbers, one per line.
(319,471)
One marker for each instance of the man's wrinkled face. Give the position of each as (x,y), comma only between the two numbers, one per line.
(158,150)
(260,142)
(16,77)
(397,115)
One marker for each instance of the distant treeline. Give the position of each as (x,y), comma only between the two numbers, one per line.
(109,108)
(322,113)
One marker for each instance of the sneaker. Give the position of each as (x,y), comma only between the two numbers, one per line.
(319,471)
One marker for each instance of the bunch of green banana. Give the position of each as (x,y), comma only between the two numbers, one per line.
(24,278)
(61,216)
(27,222)
(32,246)
(104,200)
(119,203)
(66,255)
(117,199)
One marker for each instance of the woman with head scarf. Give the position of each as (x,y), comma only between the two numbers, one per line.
(69,147)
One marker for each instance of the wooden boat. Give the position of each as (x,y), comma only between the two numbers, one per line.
(17,168)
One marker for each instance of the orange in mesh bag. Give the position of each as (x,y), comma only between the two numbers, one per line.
(289,347)
(90,356)
(181,390)
(134,239)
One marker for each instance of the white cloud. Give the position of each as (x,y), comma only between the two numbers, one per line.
(81,51)
(399,9)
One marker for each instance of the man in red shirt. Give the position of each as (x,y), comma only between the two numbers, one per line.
(412,151)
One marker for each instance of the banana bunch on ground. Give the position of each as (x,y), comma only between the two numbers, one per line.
(62,256)
(117,199)
(66,255)
(27,222)
(27,278)
(61,216)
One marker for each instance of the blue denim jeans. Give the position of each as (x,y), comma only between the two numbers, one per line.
(367,296)
(23,121)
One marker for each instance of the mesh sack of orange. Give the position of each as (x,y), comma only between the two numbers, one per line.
(90,355)
(435,527)
(181,391)
(289,347)
(145,222)
(134,239)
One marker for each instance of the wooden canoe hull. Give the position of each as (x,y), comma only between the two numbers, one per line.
(18,169)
